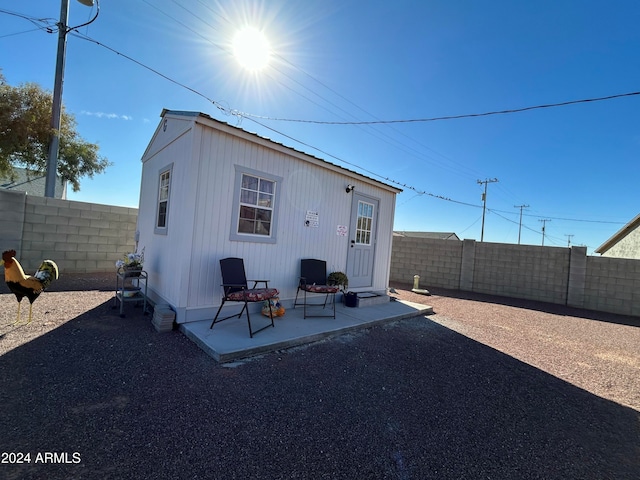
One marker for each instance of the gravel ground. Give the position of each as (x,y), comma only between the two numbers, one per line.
(485,388)
(596,351)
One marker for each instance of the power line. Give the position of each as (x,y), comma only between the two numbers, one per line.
(557,241)
(579,220)
(47,24)
(563,218)
(46,21)
(453,166)
(20,33)
(450,117)
(370,172)
(152,70)
(476,221)
(228,111)
(376,120)
(495,212)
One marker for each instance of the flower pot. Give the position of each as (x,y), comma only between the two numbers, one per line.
(351,299)
(132,271)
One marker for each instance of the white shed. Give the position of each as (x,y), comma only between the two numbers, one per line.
(211,190)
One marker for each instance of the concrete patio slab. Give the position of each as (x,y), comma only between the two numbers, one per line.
(229,340)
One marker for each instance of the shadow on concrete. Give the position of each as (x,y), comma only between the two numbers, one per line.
(406,400)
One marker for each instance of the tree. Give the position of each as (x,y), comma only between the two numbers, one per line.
(25,132)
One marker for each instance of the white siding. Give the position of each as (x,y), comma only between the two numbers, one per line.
(165,254)
(184,265)
(303,188)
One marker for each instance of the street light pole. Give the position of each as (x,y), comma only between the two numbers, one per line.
(56,110)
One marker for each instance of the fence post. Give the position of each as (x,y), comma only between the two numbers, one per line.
(577,276)
(467,265)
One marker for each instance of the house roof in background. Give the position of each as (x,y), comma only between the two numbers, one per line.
(33,183)
(239,131)
(619,235)
(436,235)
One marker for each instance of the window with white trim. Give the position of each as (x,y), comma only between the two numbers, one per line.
(164,192)
(255,206)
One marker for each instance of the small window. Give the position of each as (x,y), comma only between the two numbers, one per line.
(255,206)
(164,192)
(364,223)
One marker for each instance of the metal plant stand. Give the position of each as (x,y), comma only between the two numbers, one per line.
(131,286)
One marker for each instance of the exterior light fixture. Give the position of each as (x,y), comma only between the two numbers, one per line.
(350,188)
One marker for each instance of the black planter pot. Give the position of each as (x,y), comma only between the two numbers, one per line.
(351,299)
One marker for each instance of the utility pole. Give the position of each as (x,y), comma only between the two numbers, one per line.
(520,227)
(569,239)
(544,224)
(484,201)
(56,110)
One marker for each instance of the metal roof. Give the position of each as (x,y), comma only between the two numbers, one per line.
(210,119)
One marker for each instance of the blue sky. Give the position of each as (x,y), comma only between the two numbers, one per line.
(357,61)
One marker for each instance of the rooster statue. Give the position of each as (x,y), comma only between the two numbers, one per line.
(25,285)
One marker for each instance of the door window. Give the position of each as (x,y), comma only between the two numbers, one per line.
(364,223)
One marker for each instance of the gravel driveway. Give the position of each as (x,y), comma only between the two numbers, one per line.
(484,388)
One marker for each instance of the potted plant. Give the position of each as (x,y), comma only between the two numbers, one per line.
(340,279)
(131,263)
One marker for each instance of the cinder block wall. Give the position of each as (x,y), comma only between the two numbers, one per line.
(522,271)
(613,285)
(438,262)
(548,274)
(80,237)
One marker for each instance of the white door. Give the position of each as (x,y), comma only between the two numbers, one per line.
(362,241)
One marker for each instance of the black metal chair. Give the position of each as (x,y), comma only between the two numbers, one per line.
(234,285)
(313,279)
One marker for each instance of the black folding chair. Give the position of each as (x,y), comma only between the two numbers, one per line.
(234,285)
(313,279)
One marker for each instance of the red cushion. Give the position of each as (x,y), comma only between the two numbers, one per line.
(321,288)
(255,295)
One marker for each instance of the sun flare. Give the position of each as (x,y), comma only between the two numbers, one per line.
(251,49)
